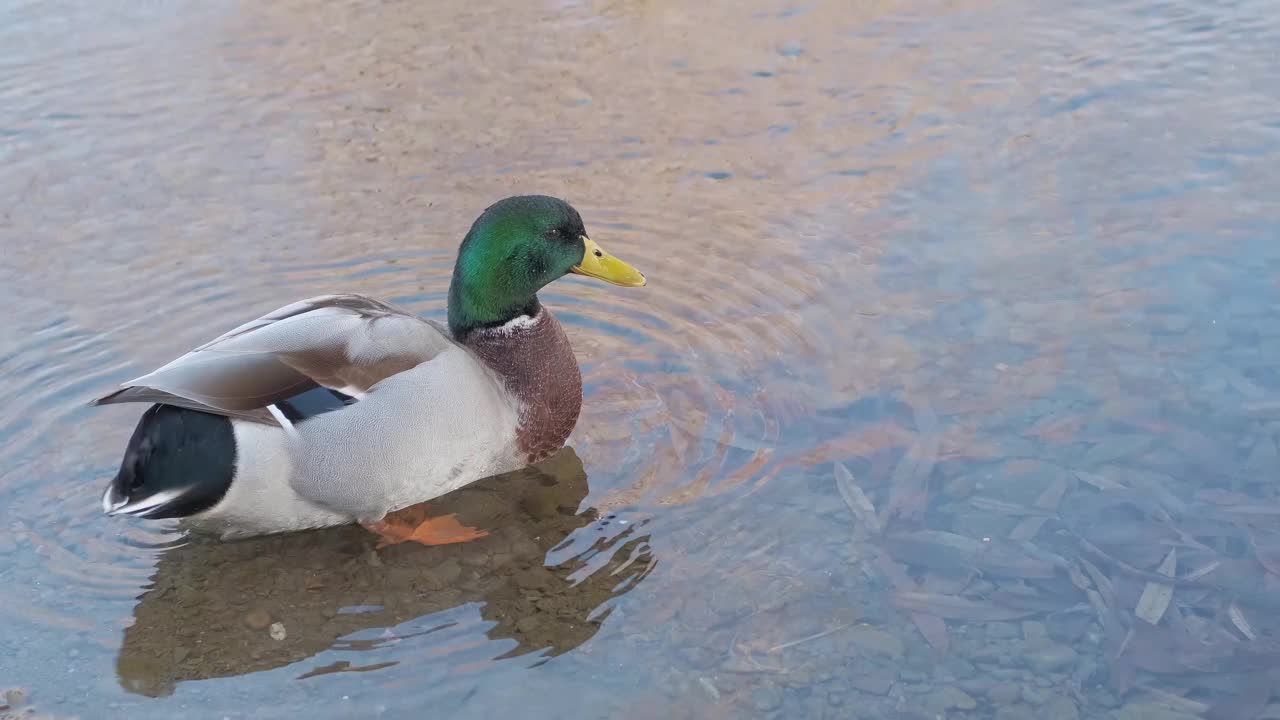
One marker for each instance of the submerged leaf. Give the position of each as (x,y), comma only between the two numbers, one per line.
(1203,570)
(1156,597)
(1098,481)
(956,608)
(1027,528)
(1025,598)
(1004,507)
(1107,617)
(1039,553)
(1172,701)
(1219,496)
(948,551)
(1267,548)
(1103,601)
(1049,500)
(1242,624)
(931,627)
(1162,651)
(908,486)
(943,582)
(863,511)
(1105,587)
(1253,691)
(1078,579)
(1253,509)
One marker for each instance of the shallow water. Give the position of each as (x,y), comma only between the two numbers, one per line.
(967,249)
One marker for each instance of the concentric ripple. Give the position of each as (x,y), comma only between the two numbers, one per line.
(676,371)
(51,482)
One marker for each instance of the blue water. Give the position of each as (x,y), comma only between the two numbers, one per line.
(971,251)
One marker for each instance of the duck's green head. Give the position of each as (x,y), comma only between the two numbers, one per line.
(513,249)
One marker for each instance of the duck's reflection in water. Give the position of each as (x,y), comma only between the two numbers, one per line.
(224,609)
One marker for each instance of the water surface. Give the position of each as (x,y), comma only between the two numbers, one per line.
(973,251)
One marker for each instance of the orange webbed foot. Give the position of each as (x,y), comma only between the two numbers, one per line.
(413,524)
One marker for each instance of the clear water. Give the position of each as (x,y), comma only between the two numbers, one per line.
(1004,241)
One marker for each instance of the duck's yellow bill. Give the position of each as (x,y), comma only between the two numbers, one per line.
(597,263)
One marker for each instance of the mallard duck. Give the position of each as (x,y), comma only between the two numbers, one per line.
(343,409)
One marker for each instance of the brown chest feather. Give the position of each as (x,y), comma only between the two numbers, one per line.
(538,365)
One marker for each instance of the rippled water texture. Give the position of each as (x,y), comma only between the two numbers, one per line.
(967,249)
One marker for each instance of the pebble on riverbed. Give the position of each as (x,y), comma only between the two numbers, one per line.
(1151,711)
(1054,658)
(877,642)
(257,619)
(949,698)
(1061,708)
(766,698)
(14,706)
(15,697)
(1005,693)
(876,681)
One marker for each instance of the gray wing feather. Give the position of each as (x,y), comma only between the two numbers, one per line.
(150,395)
(344,342)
